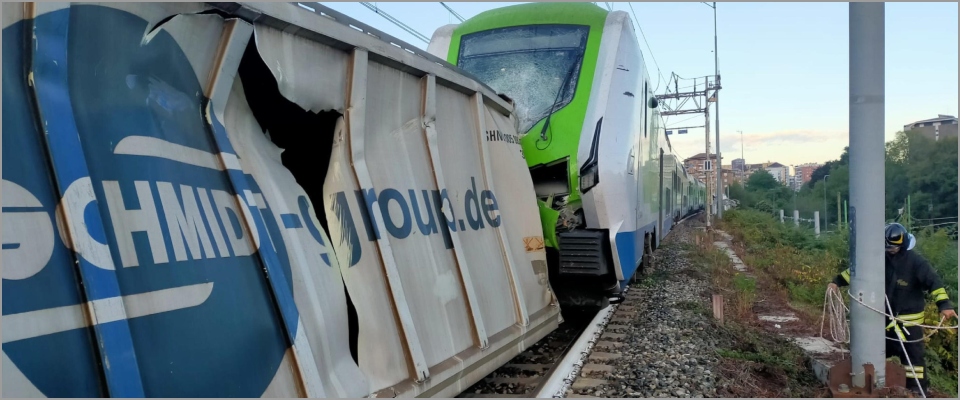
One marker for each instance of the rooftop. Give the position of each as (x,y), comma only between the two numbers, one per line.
(940,118)
(702,156)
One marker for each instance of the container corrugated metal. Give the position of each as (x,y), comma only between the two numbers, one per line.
(195,196)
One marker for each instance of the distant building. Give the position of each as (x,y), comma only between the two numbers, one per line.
(737,163)
(795,181)
(935,128)
(729,176)
(695,165)
(741,169)
(751,168)
(805,171)
(779,172)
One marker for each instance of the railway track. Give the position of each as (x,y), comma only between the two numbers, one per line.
(575,356)
(524,375)
(551,366)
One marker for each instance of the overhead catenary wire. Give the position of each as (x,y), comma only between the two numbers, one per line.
(452,12)
(685,120)
(397,22)
(637,23)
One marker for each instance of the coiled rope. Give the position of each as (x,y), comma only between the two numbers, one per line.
(835,312)
(839,329)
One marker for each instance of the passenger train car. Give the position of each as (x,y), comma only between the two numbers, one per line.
(608,182)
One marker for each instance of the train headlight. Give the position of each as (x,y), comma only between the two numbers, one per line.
(589,177)
(590,173)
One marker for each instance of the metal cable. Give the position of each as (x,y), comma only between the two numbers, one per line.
(396,22)
(648,46)
(451,11)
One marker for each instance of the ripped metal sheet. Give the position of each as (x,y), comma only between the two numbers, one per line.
(133,158)
(294,59)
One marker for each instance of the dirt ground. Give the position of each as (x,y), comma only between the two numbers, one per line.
(774,371)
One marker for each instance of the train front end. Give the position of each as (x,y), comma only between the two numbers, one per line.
(544,57)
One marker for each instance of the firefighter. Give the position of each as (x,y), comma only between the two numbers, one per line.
(908,277)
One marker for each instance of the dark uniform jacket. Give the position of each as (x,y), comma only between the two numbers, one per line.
(908,278)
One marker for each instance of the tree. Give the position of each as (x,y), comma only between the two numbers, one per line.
(762,181)
(819,173)
(931,171)
(828,167)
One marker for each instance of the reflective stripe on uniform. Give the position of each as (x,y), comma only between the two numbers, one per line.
(896,328)
(940,294)
(915,372)
(911,319)
(900,331)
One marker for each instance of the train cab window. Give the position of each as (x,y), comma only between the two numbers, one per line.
(528,63)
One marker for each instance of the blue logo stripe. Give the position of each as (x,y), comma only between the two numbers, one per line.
(291,221)
(283,293)
(49,66)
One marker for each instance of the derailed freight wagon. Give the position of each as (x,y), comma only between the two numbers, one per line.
(171,172)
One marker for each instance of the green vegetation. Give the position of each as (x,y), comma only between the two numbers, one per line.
(763,365)
(916,168)
(803,265)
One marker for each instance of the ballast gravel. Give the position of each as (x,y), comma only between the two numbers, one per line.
(668,347)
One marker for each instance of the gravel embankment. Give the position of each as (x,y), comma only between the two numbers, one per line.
(663,346)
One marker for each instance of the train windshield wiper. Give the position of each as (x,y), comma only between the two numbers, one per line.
(563,86)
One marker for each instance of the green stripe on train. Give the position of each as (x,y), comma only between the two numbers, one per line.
(567,122)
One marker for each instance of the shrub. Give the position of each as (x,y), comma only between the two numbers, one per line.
(804,264)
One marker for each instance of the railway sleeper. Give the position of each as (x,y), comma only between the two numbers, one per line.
(608,345)
(602,356)
(587,383)
(595,370)
(617,327)
(613,336)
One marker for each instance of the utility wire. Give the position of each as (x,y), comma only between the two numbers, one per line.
(608,6)
(933,219)
(935,225)
(635,21)
(685,120)
(451,11)
(397,22)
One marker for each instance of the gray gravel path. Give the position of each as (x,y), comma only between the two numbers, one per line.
(665,339)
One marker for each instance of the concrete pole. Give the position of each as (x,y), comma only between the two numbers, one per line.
(867,202)
(719,163)
(781,216)
(707,201)
(716,94)
(796,217)
(839,213)
(816,223)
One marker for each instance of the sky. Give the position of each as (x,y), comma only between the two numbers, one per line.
(783,66)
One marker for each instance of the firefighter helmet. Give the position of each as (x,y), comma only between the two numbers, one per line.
(896,236)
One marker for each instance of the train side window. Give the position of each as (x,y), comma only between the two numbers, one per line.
(646,116)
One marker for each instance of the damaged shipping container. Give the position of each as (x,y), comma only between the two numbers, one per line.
(255,200)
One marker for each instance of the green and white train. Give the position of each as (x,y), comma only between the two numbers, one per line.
(610,186)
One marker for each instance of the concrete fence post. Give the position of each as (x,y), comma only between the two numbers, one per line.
(816,223)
